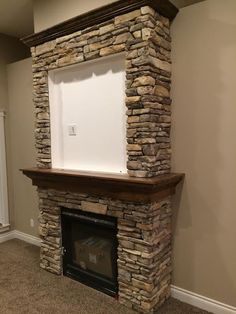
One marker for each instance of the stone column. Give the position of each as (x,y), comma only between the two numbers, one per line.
(50,233)
(144,263)
(148,95)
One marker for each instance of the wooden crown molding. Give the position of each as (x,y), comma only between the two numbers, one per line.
(100,15)
(116,186)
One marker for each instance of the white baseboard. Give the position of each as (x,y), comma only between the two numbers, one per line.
(6,236)
(26,237)
(201,302)
(15,234)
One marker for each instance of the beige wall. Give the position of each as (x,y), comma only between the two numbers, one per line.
(49,13)
(20,148)
(10,50)
(203,137)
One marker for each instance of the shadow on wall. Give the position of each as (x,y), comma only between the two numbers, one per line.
(202,135)
(86,70)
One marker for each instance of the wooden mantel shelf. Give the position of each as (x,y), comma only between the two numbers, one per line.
(116,186)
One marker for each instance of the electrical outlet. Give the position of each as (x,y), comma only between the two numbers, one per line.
(31,222)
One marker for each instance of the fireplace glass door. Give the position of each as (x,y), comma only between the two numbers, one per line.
(90,249)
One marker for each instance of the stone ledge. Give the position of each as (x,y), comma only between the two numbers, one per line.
(115,186)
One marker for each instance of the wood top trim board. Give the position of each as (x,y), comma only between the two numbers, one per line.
(100,15)
(116,186)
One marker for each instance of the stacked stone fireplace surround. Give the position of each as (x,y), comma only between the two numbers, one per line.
(144,227)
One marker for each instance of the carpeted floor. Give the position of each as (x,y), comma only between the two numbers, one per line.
(25,289)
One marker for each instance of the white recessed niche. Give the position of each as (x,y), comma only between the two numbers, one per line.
(88,116)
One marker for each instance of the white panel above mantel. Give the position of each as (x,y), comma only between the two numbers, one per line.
(88,116)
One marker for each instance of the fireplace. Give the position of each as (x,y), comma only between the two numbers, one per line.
(141,208)
(90,245)
(131,208)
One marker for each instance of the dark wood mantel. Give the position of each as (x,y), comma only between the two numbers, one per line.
(116,186)
(100,15)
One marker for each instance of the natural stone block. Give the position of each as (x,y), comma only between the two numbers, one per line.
(146,33)
(134,147)
(132,54)
(145,90)
(144,80)
(82,43)
(99,45)
(86,49)
(68,37)
(112,49)
(44,48)
(133,99)
(160,41)
(141,111)
(134,165)
(142,60)
(145,140)
(165,21)
(124,275)
(137,34)
(70,59)
(43,116)
(165,119)
(159,64)
(131,133)
(120,30)
(150,150)
(91,55)
(127,17)
(122,38)
(133,119)
(88,35)
(94,207)
(142,285)
(138,173)
(148,10)
(161,91)
(127,244)
(106,29)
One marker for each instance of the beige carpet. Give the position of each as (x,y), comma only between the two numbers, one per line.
(25,289)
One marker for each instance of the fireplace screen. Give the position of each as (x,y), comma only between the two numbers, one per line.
(90,249)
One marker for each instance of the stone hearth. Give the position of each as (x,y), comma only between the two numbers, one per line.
(141,200)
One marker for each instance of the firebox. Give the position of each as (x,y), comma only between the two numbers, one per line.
(90,249)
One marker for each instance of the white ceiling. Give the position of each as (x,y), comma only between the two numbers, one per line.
(16,16)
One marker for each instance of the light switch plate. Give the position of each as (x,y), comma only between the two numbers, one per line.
(72,129)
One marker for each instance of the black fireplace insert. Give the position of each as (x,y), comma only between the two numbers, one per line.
(90,249)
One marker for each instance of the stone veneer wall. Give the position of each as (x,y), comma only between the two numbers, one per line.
(144,235)
(144,36)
